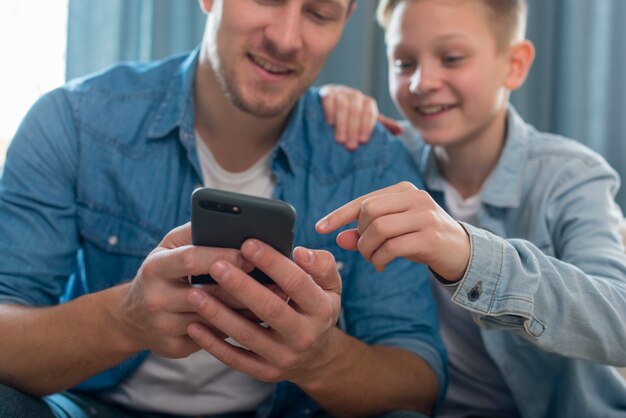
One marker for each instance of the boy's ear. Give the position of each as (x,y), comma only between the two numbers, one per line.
(521,57)
(206,5)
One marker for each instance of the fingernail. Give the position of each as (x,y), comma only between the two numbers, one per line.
(252,250)
(307,255)
(322,224)
(197,298)
(220,271)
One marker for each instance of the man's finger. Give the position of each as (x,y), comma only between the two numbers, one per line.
(177,237)
(187,261)
(290,277)
(321,266)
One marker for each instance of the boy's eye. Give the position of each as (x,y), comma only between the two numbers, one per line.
(452,59)
(401,66)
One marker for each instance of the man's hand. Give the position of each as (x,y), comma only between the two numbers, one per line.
(154,311)
(299,341)
(402,221)
(353,114)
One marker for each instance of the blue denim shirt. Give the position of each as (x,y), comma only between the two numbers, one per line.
(546,280)
(103,168)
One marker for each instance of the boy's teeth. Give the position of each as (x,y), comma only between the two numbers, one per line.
(269,67)
(431,110)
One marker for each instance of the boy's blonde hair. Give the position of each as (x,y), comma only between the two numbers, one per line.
(507,16)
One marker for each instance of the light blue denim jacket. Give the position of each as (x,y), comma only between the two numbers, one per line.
(547,275)
(103,168)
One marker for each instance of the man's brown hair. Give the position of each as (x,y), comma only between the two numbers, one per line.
(508,17)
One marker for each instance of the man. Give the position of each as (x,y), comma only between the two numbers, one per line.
(103,168)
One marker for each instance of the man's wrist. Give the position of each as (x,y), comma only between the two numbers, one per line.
(115,319)
(324,371)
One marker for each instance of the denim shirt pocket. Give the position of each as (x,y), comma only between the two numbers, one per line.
(113,247)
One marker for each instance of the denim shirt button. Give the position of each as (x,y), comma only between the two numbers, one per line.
(113,240)
(474,294)
(308,411)
(339,265)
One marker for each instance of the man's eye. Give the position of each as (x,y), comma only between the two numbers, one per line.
(322,16)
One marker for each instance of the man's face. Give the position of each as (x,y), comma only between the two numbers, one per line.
(266,53)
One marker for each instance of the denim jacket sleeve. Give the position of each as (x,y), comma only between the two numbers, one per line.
(569,296)
(37,206)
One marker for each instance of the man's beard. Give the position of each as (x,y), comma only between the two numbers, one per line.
(255,104)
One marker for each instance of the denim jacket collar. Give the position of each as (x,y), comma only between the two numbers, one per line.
(176,110)
(504,187)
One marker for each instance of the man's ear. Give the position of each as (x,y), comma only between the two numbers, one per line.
(206,5)
(521,57)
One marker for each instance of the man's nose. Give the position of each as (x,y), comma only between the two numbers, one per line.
(285,33)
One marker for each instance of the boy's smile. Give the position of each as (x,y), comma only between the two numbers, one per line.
(447,74)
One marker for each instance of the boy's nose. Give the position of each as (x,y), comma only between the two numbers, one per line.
(424,81)
(285,32)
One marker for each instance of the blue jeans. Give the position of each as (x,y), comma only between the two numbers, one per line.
(15,404)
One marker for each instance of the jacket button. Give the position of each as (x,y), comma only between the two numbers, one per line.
(113,240)
(474,294)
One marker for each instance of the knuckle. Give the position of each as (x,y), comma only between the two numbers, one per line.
(327,261)
(174,348)
(305,341)
(245,336)
(149,267)
(164,327)
(288,361)
(270,375)
(272,309)
(188,260)
(154,304)
(378,226)
(326,314)
(361,246)
(211,311)
(407,185)
(294,281)
(230,359)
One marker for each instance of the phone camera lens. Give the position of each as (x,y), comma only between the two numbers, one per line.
(236,209)
(220,207)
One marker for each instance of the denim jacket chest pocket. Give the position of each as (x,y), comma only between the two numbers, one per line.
(113,248)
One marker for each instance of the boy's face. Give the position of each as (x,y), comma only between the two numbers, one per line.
(446,73)
(265,54)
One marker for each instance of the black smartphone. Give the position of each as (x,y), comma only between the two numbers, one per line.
(226,219)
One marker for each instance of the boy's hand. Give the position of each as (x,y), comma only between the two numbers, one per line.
(353,114)
(402,221)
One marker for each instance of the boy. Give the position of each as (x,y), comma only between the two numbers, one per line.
(531,271)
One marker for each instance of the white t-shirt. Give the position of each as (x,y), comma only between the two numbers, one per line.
(474,377)
(200,384)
